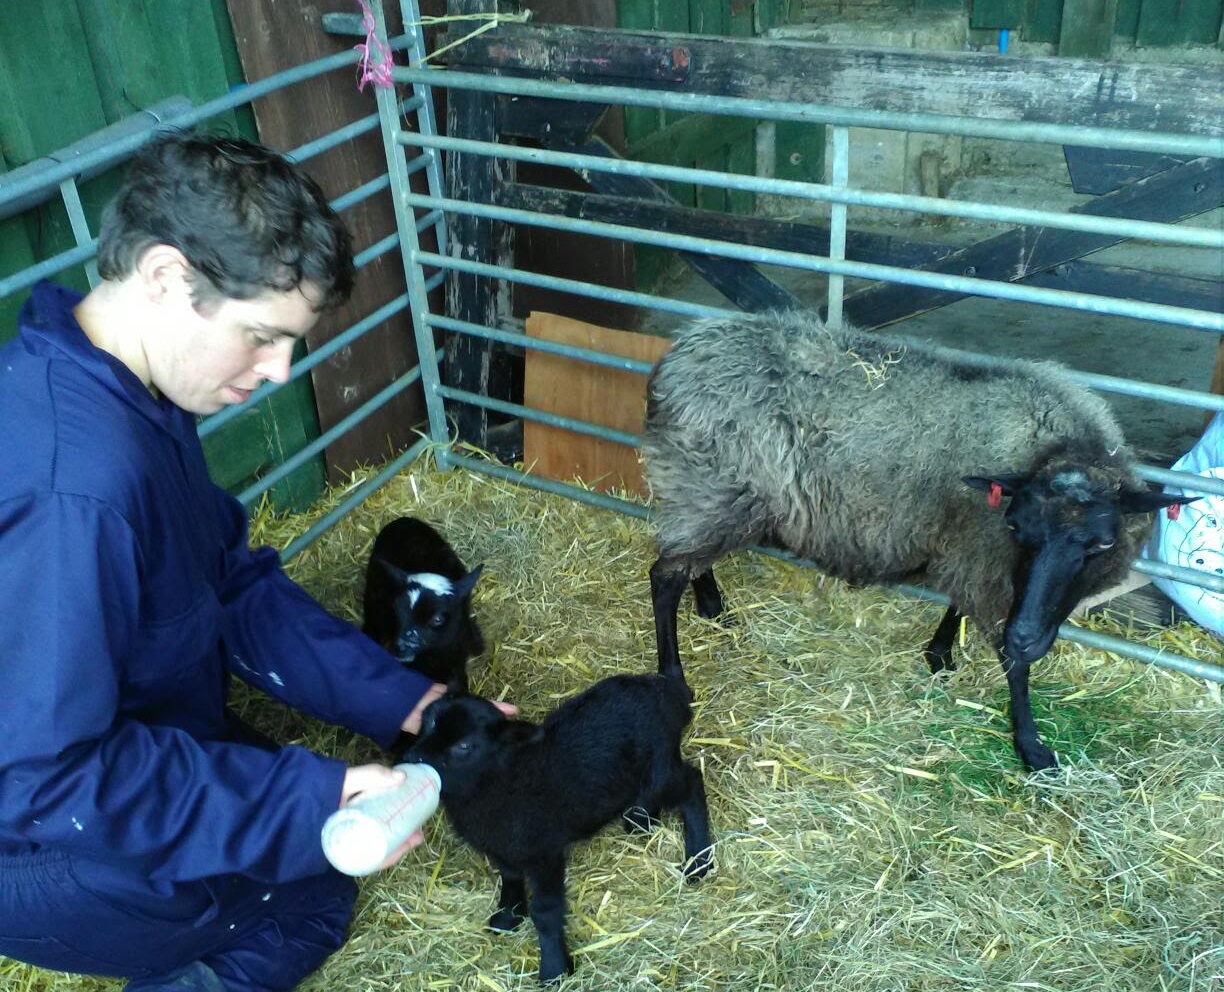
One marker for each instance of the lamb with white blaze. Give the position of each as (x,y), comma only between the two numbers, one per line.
(418,601)
(884,460)
(523,793)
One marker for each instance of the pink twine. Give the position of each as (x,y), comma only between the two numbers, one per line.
(378,73)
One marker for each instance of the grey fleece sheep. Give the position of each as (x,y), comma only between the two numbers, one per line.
(881,462)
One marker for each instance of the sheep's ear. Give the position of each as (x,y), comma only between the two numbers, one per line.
(1008,483)
(518,732)
(1145,500)
(996,486)
(462,587)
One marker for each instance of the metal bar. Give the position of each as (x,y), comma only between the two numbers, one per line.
(700,103)
(588,496)
(406,226)
(837,225)
(375,402)
(541,416)
(120,148)
(367,255)
(219,419)
(541,344)
(1189,576)
(359,496)
(1156,312)
(304,153)
(1104,642)
(47,267)
(80,226)
(1182,480)
(1204,237)
(575,286)
(360,193)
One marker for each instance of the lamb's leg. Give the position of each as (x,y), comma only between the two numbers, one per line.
(706,593)
(512,903)
(938,653)
(547,908)
(1024,730)
(685,789)
(667,582)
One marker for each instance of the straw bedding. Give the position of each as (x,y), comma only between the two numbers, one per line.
(874,829)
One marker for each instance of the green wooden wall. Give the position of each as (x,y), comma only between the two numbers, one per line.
(703,141)
(71,67)
(1087,28)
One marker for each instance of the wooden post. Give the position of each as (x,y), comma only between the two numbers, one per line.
(470,361)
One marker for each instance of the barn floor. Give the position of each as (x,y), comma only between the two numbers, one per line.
(874,830)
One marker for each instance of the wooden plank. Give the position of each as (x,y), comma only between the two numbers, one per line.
(1003,87)
(1042,20)
(1178,22)
(571,388)
(1087,28)
(272,37)
(1172,196)
(863,246)
(1102,170)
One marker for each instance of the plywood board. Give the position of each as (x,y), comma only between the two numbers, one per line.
(572,388)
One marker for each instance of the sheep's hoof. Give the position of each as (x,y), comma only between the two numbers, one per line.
(638,819)
(507,919)
(699,866)
(941,661)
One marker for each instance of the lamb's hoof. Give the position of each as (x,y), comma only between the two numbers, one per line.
(699,866)
(556,970)
(507,919)
(638,819)
(939,662)
(1037,756)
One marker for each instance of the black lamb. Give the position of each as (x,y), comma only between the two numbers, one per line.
(884,460)
(417,601)
(522,793)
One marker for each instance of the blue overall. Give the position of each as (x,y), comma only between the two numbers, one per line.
(139,831)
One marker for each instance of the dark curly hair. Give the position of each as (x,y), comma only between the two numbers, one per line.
(245,218)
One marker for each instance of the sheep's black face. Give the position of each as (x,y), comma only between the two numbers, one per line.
(429,612)
(461,737)
(1066,521)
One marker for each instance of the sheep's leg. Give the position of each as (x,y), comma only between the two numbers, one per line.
(707,594)
(667,582)
(938,653)
(547,908)
(1024,730)
(511,904)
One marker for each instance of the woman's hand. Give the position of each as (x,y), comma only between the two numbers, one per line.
(412,722)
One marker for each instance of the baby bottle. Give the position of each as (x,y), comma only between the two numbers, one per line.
(359,836)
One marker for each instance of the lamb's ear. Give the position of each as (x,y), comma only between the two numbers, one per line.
(462,587)
(1145,500)
(394,571)
(515,732)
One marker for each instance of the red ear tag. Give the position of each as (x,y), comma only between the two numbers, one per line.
(996,495)
(1173,511)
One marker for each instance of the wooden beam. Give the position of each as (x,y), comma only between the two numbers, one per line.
(1000,87)
(740,282)
(1169,197)
(470,360)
